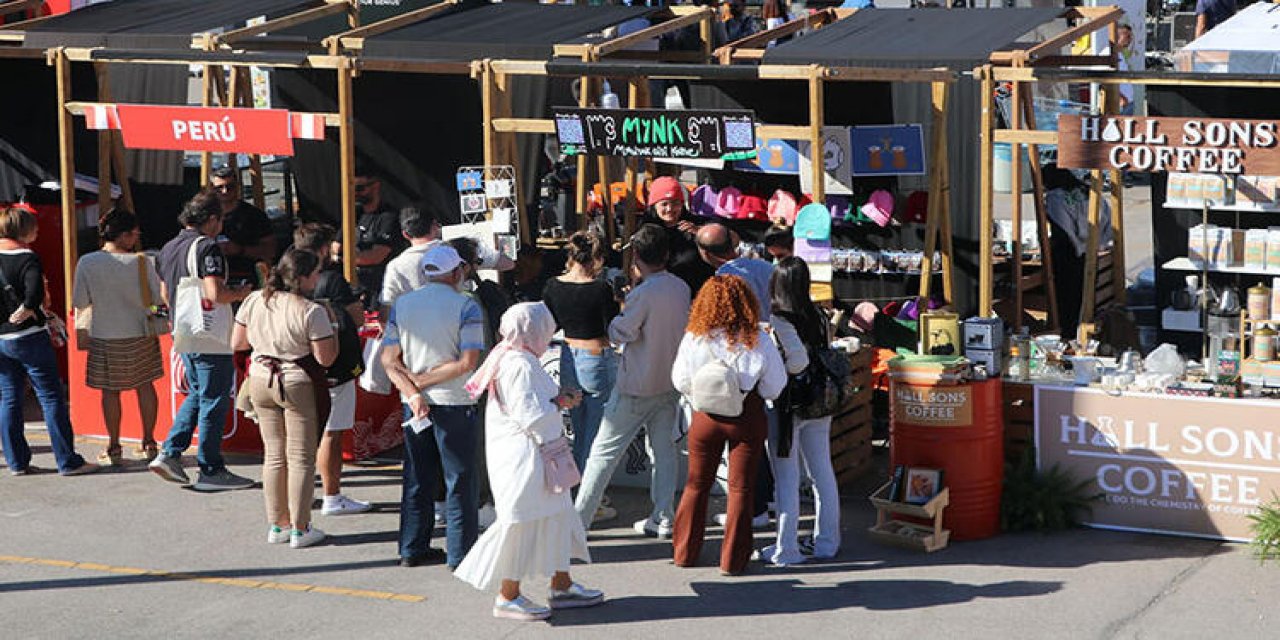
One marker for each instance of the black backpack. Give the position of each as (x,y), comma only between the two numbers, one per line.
(350,362)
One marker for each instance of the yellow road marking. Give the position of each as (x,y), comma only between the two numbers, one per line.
(246,583)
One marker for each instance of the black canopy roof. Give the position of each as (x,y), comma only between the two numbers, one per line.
(152,23)
(901,37)
(507,30)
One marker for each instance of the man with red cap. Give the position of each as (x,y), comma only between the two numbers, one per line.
(667,200)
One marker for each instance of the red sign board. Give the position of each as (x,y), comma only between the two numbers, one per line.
(262,131)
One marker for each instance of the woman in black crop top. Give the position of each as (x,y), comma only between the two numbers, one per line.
(583,305)
(27,352)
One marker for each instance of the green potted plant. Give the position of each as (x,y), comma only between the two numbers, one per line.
(1043,500)
(1266,530)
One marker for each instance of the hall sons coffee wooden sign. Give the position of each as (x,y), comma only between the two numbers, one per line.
(1183,145)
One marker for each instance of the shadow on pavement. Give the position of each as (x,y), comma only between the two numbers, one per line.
(755,598)
(184,576)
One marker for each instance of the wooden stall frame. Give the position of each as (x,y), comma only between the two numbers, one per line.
(1107,78)
(62,58)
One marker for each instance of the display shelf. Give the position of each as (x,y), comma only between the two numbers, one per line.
(1186,264)
(909,534)
(1243,208)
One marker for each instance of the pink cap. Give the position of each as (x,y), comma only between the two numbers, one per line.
(665,188)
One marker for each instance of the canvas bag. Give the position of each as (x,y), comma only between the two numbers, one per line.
(199,325)
(715,389)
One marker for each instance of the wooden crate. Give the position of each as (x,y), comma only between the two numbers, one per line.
(851,426)
(1019,419)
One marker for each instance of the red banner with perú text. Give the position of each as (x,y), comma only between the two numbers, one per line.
(261,131)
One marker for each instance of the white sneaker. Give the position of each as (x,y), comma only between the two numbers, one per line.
(660,529)
(759,522)
(340,505)
(300,539)
(574,597)
(604,513)
(439,509)
(487,516)
(278,535)
(521,608)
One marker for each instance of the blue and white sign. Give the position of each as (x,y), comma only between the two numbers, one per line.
(887,150)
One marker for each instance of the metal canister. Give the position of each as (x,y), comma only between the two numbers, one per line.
(1264,344)
(1259,302)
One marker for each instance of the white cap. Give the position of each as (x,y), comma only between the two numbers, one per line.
(439,260)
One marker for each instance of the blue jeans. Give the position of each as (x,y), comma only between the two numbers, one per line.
(454,432)
(32,356)
(594,375)
(210,378)
(624,416)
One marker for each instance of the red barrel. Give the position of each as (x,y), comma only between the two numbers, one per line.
(959,429)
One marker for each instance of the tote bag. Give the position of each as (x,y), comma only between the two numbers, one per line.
(199,325)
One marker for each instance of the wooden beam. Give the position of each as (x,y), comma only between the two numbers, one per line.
(347,162)
(816,103)
(1042,216)
(1015,160)
(67,173)
(1026,136)
(330,7)
(1111,104)
(1093,23)
(206,99)
(83,54)
(520,67)
(104,147)
(650,32)
(986,289)
(524,125)
(580,194)
(937,157)
(14,6)
(357,35)
(783,131)
(759,41)
(245,92)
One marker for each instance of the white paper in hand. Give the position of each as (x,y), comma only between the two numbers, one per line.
(418,424)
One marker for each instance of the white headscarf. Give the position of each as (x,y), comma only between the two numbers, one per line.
(527,326)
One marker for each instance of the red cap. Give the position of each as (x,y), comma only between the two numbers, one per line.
(665,188)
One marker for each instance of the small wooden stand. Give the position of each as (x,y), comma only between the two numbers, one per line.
(908,534)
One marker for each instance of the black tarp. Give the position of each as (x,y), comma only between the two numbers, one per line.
(873,36)
(508,30)
(418,129)
(153,23)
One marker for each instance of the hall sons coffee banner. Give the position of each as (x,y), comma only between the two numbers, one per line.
(1188,466)
(1182,145)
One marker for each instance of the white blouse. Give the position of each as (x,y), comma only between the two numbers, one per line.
(760,368)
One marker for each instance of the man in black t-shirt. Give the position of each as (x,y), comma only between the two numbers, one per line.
(378,237)
(210,372)
(247,236)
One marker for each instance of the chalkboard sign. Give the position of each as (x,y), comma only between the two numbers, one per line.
(656,133)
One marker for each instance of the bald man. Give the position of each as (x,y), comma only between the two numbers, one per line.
(718,247)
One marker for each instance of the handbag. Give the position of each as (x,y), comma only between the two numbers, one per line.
(199,325)
(154,324)
(559,472)
(824,386)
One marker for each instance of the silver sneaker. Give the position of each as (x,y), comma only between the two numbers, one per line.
(521,608)
(221,480)
(169,468)
(576,596)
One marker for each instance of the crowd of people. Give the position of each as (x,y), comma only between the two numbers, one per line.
(694,343)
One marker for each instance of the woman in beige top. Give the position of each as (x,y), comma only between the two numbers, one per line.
(116,297)
(293,341)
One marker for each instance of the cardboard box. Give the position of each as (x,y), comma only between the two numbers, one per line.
(1198,242)
(1271,374)
(983,333)
(1273,248)
(1214,189)
(1255,248)
(1256,190)
(1226,247)
(1176,191)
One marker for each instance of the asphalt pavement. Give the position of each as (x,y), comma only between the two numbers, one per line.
(125,554)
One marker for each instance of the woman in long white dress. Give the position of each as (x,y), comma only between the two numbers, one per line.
(537,532)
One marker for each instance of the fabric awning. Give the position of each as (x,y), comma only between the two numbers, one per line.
(507,30)
(165,24)
(913,37)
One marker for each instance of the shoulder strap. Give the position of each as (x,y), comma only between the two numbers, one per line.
(143,282)
(191,257)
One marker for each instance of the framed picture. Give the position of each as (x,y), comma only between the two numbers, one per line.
(921,485)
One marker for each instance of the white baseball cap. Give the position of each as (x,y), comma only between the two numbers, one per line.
(440,259)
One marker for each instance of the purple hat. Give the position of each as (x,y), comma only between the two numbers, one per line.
(879,207)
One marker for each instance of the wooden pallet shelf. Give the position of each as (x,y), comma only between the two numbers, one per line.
(909,534)
(851,426)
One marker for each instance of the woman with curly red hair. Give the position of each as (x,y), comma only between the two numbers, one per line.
(724,333)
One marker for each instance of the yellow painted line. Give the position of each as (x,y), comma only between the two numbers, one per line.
(245,583)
